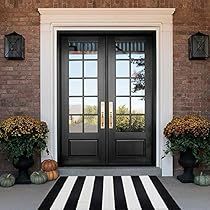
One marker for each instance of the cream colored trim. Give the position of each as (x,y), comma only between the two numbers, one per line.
(121,19)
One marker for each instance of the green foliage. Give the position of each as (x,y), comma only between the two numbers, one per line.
(90,109)
(200,147)
(90,120)
(22,146)
(122,109)
(76,121)
(124,124)
(189,132)
(22,136)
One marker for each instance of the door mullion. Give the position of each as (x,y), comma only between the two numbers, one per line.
(106,100)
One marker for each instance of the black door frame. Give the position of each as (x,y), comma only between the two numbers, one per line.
(107,33)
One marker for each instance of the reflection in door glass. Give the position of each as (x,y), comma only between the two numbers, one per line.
(91,105)
(75,87)
(75,105)
(137,105)
(122,50)
(75,124)
(135,91)
(90,50)
(75,68)
(130,64)
(75,50)
(122,87)
(137,123)
(90,123)
(90,87)
(122,69)
(122,105)
(90,68)
(122,123)
(132,52)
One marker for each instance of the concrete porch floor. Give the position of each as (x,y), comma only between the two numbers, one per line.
(29,197)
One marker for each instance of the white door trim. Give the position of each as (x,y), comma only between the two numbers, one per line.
(138,19)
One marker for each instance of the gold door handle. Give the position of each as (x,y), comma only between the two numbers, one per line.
(110,115)
(102,115)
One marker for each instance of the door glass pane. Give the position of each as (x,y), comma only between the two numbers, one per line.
(122,68)
(138,79)
(137,89)
(90,124)
(91,105)
(122,87)
(92,55)
(137,55)
(122,105)
(137,105)
(75,124)
(122,50)
(137,123)
(75,50)
(90,68)
(75,105)
(136,69)
(122,123)
(90,87)
(75,68)
(90,50)
(75,87)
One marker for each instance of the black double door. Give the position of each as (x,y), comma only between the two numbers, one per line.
(106,100)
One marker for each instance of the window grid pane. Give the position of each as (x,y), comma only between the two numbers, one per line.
(81,85)
(136,115)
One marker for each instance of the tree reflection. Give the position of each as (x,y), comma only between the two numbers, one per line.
(124,124)
(138,75)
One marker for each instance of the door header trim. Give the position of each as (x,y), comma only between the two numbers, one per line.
(106,11)
(106,19)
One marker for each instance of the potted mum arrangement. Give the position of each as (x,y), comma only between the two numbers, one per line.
(20,138)
(189,135)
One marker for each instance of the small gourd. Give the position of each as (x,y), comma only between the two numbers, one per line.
(7,180)
(38,177)
(202,180)
(49,165)
(52,175)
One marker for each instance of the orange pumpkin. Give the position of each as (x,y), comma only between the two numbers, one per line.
(49,165)
(52,175)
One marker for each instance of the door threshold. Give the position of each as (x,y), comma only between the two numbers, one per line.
(110,171)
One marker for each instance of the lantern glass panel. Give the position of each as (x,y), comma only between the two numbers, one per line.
(14,46)
(198,46)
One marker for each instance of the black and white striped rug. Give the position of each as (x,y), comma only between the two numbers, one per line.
(108,193)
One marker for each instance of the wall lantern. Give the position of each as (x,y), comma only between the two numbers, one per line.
(198,46)
(14,46)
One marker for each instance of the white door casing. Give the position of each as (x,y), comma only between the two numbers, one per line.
(110,19)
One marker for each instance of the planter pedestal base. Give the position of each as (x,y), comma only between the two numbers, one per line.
(23,178)
(188,162)
(187,176)
(23,164)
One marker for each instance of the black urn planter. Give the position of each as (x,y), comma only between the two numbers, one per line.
(188,162)
(23,164)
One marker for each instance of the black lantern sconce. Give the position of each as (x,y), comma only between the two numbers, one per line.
(198,46)
(14,46)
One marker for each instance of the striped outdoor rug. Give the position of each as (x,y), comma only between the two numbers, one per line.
(108,193)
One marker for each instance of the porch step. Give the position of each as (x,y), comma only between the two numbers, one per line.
(109,171)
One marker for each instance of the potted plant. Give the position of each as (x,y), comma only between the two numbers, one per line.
(20,138)
(190,136)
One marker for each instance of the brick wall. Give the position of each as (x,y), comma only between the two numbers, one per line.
(19,80)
